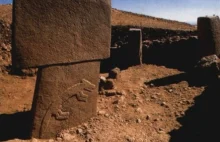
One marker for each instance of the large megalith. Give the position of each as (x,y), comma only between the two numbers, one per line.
(209,36)
(65,40)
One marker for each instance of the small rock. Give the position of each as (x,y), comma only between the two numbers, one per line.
(152,85)
(68,137)
(139,110)
(85,125)
(157,119)
(110,92)
(101,112)
(34,140)
(59,139)
(121,99)
(129,139)
(122,92)
(148,117)
(114,73)
(5,47)
(102,92)
(182,113)
(207,61)
(154,97)
(188,102)
(106,115)
(163,104)
(138,121)
(102,79)
(170,90)
(161,131)
(115,102)
(109,84)
(140,101)
(176,114)
(79,131)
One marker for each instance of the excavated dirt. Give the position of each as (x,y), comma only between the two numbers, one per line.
(154,98)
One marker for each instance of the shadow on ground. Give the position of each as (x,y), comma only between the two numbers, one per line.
(201,121)
(194,78)
(14,126)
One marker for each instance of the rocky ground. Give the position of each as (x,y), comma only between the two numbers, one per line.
(156,104)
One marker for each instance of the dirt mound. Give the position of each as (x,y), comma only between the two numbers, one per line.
(124,18)
(5,46)
(6,13)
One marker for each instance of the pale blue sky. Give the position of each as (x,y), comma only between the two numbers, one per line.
(180,10)
(5,1)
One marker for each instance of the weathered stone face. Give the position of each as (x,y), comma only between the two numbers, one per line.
(48,32)
(65,96)
(135,46)
(209,36)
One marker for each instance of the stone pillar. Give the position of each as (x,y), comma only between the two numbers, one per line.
(66,40)
(135,47)
(209,36)
(65,96)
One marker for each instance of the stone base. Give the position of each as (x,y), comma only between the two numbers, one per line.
(65,96)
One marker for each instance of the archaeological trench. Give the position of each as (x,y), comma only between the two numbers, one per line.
(67,53)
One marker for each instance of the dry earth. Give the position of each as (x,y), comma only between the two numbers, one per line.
(147,111)
(124,18)
(6,13)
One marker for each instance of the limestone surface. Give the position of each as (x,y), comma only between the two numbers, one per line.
(48,32)
(65,96)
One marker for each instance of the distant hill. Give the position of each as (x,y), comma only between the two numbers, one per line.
(121,18)
(132,19)
(6,13)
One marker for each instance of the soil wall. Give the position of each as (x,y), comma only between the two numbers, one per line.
(174,49)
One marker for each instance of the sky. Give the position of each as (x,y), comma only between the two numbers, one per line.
(179,10)
(5,1)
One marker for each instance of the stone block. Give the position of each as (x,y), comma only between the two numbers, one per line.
(209,36)
(51,32)
(114,73)
(135,47)
(65,96)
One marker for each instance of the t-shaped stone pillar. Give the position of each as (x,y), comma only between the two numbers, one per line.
(209,36)
(65,39)
(135,47)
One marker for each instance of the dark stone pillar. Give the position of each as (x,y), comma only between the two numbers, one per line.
(209,36)
(135,47)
